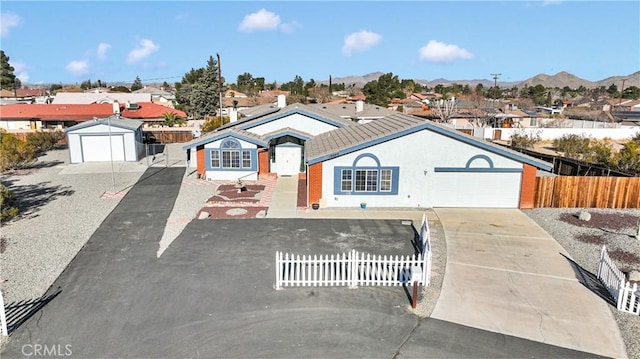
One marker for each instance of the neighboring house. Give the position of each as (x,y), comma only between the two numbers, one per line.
(398,161)
(41,116)
(158,96)
(109,139)
(270,142)
(149,113)
(234,94)
(406,105)
(80,98)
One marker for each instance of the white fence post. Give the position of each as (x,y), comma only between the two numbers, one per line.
(3,318)
(627,297)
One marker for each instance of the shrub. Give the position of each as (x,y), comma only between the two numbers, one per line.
(45,140)
(212,123)
(572,145)
(14,153)
(522,139)
(7,208)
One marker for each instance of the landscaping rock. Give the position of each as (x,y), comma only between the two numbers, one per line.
(634,276)
(584,216)
(203,215)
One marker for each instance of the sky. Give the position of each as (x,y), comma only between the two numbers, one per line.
(116,41)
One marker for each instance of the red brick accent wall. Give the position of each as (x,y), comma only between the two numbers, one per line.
(200,159)
(528,187)
(314,183)
(263,161)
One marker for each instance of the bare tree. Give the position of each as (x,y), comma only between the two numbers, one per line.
(445,109)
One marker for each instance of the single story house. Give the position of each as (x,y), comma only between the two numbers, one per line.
(270,142)
(397,161)
(110,139)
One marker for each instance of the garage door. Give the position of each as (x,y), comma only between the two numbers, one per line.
(96,148)
(491,190)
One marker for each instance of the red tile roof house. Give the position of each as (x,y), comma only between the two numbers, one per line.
(397,161)
(50,116)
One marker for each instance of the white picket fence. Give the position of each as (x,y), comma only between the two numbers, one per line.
(355,268)
(627,296)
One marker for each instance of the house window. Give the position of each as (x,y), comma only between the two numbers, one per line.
(230,159)
(246,159)
(366,180)
(215,159)
(371,179)
(346,180)
(385,180)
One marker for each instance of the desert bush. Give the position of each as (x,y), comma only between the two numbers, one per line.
(7,201)
(44,140)
(14,153)
(522,139)
(213,123)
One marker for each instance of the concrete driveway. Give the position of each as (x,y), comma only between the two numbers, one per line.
(505,274)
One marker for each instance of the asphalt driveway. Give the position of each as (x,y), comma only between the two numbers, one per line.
(211,293)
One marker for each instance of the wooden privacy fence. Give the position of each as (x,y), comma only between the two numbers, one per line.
(355,268)
(626,296)
(587,192)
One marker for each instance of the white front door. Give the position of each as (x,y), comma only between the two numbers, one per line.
(288,160)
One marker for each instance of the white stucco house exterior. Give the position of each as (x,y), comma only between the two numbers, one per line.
(113,138)
(396,161)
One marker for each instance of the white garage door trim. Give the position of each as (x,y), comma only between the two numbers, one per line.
(476,189)
(288,160)
(96,148)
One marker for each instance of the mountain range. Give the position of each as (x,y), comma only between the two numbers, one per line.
(560,80)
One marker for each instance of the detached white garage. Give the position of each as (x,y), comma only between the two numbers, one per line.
(114,138)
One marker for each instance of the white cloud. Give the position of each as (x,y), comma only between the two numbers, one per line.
(291,27)
(360,41)
(144,48)
(20,70)
(261,20)
(78,67)
(439,52)
(7,21)
(102,50)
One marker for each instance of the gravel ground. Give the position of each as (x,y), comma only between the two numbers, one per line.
(583,240)
(59,212)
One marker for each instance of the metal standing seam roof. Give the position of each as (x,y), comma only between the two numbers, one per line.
(120,122)
(345,140)
(234,132)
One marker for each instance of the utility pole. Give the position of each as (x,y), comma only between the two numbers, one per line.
(621,92)
(220,86)
(495,85)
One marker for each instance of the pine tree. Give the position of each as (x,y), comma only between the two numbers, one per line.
(8,80)
(137,84)
(199,93)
